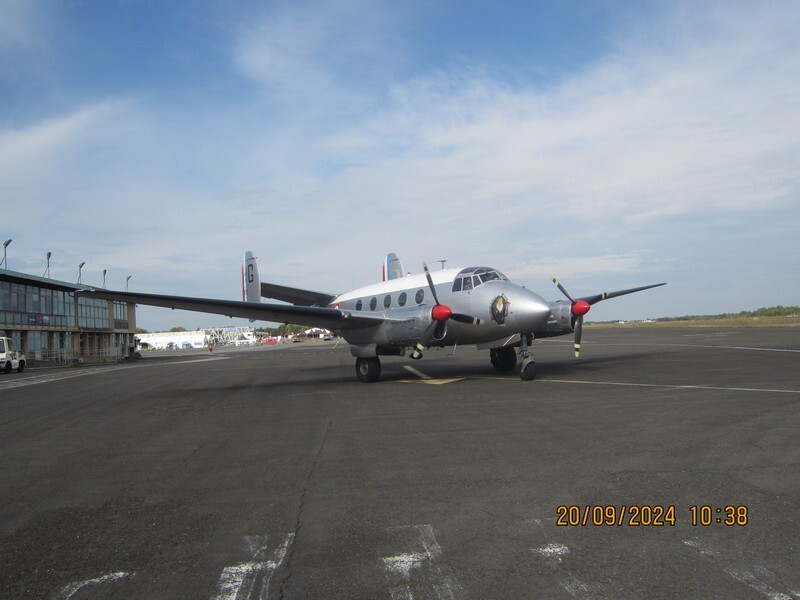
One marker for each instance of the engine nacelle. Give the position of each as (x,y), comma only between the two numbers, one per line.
(561,320)
(403,327)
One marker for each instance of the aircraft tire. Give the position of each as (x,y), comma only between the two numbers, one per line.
(368,370)
(503,359)
(527,370)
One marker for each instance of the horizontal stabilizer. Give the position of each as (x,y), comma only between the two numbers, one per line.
(296,295)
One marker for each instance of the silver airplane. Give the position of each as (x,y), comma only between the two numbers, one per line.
(474,305)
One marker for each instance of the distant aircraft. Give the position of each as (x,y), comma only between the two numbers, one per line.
(475,305)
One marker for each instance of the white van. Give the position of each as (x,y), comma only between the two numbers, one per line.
(10,358)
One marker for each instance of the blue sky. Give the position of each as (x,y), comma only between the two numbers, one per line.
(612,144)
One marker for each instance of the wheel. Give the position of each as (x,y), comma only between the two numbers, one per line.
(527,370)
(368,370)
(7,368)
(21,366)
(503,359)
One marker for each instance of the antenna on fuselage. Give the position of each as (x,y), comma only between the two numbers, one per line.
(441,260)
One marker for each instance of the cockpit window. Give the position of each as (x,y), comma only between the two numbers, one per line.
(472,277)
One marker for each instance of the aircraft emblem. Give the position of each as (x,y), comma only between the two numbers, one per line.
(500,309)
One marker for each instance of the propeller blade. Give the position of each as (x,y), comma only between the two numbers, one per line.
(563,289)
(440,315)
(469,320)
(578,331)
(430,282)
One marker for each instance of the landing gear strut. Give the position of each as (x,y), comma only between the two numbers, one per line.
(368,369)
(527,370)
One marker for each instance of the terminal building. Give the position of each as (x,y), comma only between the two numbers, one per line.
(43,318)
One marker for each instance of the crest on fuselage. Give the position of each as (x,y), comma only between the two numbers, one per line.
(499,309)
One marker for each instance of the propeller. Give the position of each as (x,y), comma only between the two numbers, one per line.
(440,314)
(582,305)
(578,308)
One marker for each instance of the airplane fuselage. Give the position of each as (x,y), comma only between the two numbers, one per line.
(504,309)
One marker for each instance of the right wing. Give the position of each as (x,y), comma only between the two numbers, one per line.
(328,318)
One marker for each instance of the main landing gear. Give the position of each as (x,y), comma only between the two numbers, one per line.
(368,370)
(527,370)
(505,359)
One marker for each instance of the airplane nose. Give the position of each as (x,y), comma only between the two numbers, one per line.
(530,310)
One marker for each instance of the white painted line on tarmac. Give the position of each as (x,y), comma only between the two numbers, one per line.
(424,554)
(18,382)
(556,554)
(70,590)
(741,575)
(238,582)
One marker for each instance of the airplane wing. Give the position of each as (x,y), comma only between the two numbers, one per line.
(328,318)
(606,295)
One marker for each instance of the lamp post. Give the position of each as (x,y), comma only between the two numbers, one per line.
(127,279)
(5,259)
(47,270)
(80,266)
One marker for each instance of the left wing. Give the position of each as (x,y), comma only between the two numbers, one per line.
(328,318)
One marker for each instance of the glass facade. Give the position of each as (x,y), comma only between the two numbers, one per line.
(45,321)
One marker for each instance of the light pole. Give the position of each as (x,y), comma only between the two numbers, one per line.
(47,270)
(104,278)
(80,266)
(127,279)
(5,259)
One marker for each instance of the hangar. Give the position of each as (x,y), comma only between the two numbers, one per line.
(41,316)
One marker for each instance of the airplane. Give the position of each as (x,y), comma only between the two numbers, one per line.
(447,307)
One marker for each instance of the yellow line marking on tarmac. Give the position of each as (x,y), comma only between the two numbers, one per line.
(425,378)
(652,385)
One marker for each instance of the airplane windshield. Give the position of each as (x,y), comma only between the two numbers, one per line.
(472,277)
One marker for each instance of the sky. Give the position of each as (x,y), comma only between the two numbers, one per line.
(609,143)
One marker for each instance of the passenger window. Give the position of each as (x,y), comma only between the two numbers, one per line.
(387,301)
(359,304)
(402,299)
(420,296)
(373,303)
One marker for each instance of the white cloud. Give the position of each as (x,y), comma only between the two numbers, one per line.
(338,158)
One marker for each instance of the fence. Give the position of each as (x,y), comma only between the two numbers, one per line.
(71,357)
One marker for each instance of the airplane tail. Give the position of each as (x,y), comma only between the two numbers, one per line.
(392,267)
(251,282)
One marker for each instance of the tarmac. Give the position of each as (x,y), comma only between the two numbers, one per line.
(664,463)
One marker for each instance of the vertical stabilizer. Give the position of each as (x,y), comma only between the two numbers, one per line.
(251,282)
(392,267)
